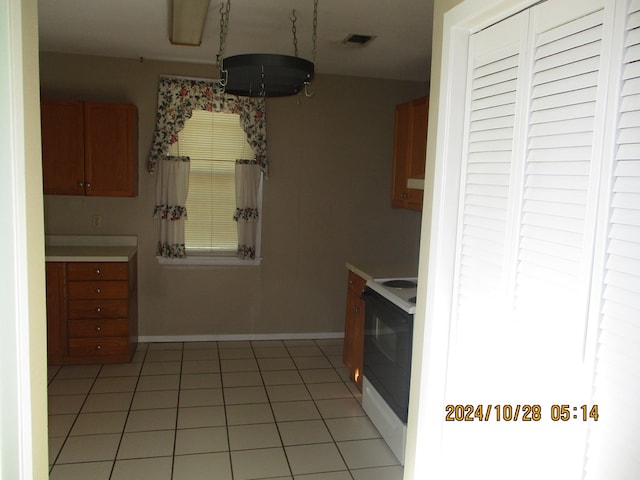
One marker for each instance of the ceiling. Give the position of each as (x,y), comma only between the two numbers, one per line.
(140,28)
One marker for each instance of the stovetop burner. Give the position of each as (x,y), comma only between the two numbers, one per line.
(400,284)
(399,291)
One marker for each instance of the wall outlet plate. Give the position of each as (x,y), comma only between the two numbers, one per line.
(96,221)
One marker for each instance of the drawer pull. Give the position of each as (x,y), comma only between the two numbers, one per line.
(98,309)
(98,347)
(98,328)
(98,290)
(98,272)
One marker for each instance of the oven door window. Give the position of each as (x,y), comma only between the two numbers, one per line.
(385,339)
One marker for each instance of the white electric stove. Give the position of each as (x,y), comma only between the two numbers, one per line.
(399,291)
(390,304)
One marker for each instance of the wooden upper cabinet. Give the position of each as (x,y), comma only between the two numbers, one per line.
(109,143)
(410,149)
(89,148)
(62,147)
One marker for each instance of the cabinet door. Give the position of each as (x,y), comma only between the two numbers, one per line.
(409,155)
(56,327)
(418,152)
(62,147)
(401,152)
(110,150)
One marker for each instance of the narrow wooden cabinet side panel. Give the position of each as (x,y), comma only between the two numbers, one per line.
(62,127)
(419,120)
(353,349)
(110,149)
(133,304)
(56,312)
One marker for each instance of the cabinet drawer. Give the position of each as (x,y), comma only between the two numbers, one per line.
(97,328)
(79,309)
(97,290)
(97,347)
(97,271)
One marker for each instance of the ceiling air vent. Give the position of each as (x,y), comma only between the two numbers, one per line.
(358,40)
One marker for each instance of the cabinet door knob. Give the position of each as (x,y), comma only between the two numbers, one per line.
(98,290)
(88,185)
(98,328)
(355,309)
(403,195)
(81,184)
(98,309)
(98,347)
(98,272)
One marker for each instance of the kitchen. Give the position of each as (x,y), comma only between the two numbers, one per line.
(299,289)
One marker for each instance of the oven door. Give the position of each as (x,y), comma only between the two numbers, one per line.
(388,339)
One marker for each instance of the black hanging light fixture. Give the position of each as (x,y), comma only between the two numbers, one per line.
(265,74)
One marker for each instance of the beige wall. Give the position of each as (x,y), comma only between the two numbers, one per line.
(327,202)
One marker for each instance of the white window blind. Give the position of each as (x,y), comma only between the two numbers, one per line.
(613,444)
(213,141)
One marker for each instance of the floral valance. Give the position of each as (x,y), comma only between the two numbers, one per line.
(178,97)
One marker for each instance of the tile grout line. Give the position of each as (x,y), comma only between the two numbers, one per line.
(133,396)
(273,413)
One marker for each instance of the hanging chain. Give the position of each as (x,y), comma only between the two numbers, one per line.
(294,18)
(315,28)
(293,30)
(224,28)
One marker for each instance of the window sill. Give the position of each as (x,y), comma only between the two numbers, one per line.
(210,260)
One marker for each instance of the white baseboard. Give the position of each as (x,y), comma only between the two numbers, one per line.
(239,337)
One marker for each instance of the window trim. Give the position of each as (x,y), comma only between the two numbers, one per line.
(209,260)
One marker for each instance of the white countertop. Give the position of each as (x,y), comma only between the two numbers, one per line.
(90,248)
(370,271)
(89,254)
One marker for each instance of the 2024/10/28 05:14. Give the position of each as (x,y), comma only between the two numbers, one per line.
(525,413)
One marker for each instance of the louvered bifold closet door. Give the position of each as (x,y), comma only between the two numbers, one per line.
(560,175)
(487,173)
(614,442)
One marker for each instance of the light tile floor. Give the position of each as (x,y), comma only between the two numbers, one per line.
(225,410)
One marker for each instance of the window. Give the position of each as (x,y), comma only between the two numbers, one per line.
(213,141)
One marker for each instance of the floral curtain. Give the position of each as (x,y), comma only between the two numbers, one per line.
(177,98)
(172,185)
(247,187)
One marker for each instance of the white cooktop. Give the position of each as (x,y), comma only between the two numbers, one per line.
(393,290)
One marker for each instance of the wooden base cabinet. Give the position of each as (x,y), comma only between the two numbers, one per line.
(410,152)
(353,352)
(91,312)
